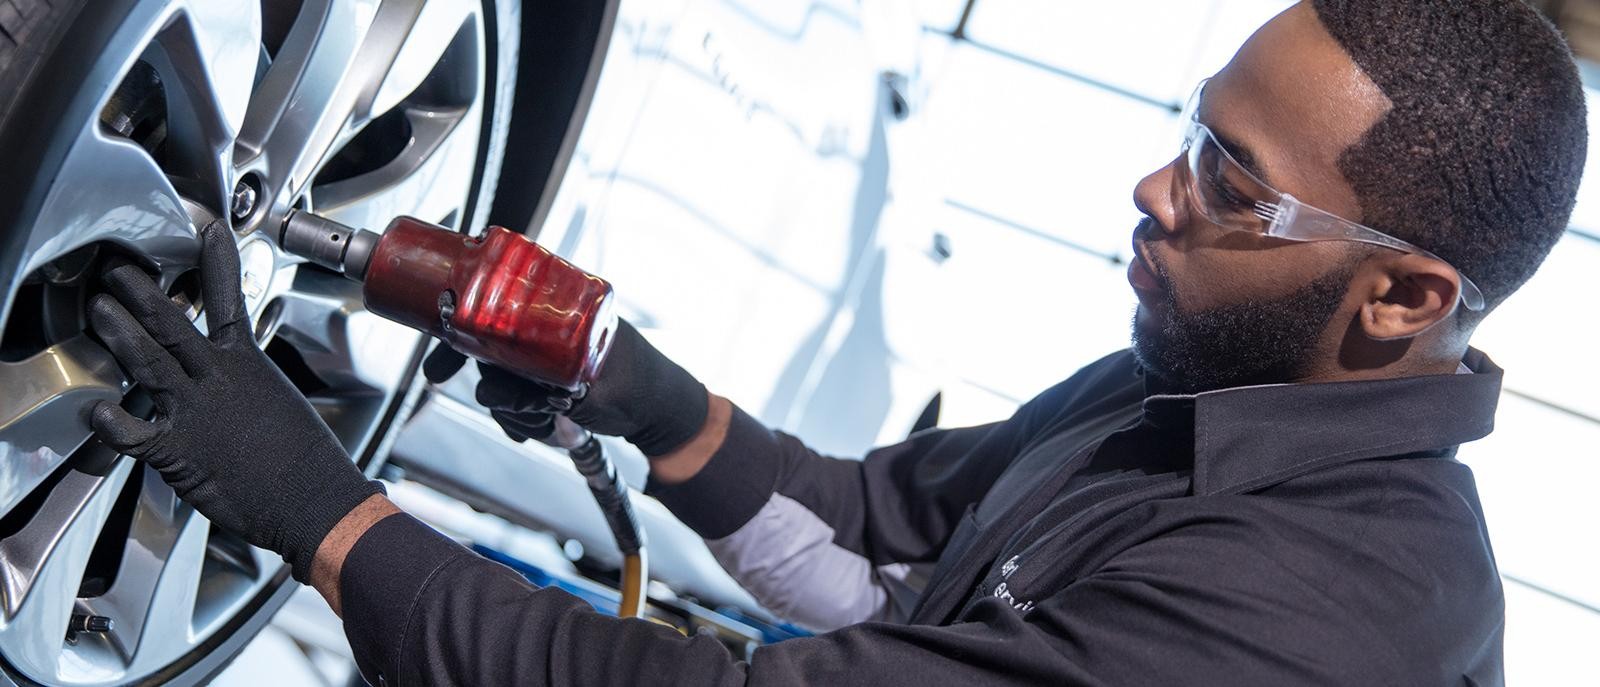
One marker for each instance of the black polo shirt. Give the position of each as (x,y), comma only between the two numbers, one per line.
(1105,534)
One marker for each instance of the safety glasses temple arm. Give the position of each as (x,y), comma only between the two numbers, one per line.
(1296,220)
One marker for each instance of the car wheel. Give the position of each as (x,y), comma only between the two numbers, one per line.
(127,124)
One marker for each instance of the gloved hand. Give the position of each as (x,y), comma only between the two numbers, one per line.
(231,434)
(640,395)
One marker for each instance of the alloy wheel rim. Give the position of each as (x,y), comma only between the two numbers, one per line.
(293,118)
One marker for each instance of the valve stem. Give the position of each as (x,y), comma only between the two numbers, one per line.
(83,622)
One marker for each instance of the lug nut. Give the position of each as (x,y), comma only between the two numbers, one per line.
(244,200)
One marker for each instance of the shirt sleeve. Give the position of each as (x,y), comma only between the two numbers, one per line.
(1201,604)
(420,609)
(827,542)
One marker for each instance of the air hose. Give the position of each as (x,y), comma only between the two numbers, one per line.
(611,493)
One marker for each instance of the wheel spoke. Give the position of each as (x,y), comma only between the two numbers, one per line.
(165,547)
(200,58)
(431,73)
(360,357)
(44,565)
(350,349)
(226,38)
(417,33)
(326,86)
(303,104)
(41,411)
(166,629)
(109,190)
(428,179)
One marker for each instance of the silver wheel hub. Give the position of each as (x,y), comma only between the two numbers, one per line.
(362,111)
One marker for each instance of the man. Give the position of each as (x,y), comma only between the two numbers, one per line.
(1263,491)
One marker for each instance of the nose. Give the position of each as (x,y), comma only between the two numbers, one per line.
(1157,196)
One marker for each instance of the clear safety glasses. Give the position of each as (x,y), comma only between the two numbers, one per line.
(1226,193)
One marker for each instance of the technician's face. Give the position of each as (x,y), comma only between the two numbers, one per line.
(1221,308)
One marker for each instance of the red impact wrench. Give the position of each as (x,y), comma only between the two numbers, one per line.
(502,299)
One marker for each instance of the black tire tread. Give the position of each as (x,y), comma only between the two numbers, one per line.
(19,21)
(27,27)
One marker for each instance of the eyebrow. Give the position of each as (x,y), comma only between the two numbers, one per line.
(1242,154)
(1239,151)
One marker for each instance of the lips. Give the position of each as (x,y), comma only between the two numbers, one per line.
(1141,278)
(1140,274)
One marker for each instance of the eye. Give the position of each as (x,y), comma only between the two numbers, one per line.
(1225,195)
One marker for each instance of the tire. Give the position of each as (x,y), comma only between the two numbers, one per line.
(28,30)
(54,57)
(559,70)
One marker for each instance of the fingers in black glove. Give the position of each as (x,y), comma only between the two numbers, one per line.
(147,361)
(521,427)
(505,390)
(151,354)
(122,431)
(442,363)
(641,396)
(519,406)
(524,409)
(144,306)
(227,320)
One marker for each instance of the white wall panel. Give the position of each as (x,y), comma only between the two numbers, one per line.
(1536,476)
(1548,641)
(1157,48)
(1545,335)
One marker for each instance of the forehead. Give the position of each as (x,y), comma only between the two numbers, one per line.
(1296,100)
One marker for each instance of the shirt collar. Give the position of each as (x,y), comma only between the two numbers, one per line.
(1252,437)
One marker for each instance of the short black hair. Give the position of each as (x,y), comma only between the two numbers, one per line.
(1480,158)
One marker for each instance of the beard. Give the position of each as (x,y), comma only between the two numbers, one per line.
(1254,342)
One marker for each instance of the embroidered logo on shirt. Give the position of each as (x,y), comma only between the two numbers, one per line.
(1009,567)
(1002,591)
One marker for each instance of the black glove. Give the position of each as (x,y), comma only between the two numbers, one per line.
(640,396)
(231,434)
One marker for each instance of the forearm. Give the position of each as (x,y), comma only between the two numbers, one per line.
(824,541)
(672,468)
(687,461)
(420,609)
(774,513)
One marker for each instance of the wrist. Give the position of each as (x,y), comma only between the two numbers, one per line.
(328,563)
(644,397)
(315,492)
(686,461)
(676,415)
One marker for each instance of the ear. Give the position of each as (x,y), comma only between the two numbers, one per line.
(1406,296)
